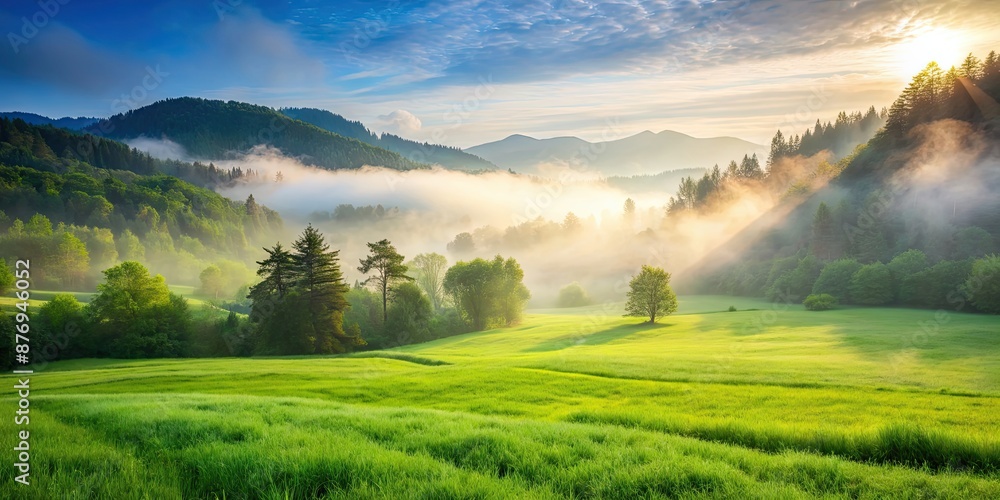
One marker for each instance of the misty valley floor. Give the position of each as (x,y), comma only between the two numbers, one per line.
(769,401)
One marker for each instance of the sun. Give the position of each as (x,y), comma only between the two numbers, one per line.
(940,45)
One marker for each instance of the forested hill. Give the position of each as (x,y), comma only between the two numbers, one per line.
(446,156)
(923,190)
(213,129)
(78,203)
(77,123)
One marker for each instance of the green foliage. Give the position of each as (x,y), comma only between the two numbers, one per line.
(57,327)
(905,264)
(7,333)
(6,277)
(299,304)
(428,271)
(97,191)
(983,285)
(820,302)
(872,285)
(824,234)
(410,315)
(365,312)
(211,281)
(732,309)
(971,242)
(134,315)
(387,265)
(797,282)
(650,295)
(938,287)
(487,293)
(835,279)
(573,295)
(840,137)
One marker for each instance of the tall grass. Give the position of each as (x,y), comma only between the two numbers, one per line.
(191,446)
(895,443)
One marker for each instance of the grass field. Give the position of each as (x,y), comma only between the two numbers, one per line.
(769,401)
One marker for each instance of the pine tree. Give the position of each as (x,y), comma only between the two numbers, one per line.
(823,233)
(970,67)
(389,269)
(320,284)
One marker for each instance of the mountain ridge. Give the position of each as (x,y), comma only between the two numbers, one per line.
(644,153)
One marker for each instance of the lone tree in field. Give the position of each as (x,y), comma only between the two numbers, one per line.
(650,295)
(387,264)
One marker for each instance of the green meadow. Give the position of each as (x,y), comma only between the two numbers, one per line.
(769,401)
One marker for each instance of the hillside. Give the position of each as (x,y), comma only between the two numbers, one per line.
(926,183)
(448,157)
(641,154)
(97,202)
(78,123)
(213,130)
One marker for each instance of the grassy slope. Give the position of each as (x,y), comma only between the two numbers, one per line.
(729,404)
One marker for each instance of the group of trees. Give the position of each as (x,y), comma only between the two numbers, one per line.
(119,204)
(348,214)
(49,148)
(298,305)
(910,278)
(934,94)
(693,195)
(303,306)
(133,315)
(488,293)
(839,137)
(787,170)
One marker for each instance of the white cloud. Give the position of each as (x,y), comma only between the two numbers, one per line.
(400,122)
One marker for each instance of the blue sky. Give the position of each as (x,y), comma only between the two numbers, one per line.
(469,71)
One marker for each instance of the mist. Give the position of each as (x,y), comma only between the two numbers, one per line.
(520,216)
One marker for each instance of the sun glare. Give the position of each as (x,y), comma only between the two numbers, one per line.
(940,45)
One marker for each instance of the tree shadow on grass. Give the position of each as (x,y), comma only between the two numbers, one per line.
(596,338)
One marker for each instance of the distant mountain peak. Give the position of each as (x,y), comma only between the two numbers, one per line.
(644,153)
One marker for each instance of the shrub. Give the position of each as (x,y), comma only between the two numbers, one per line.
(732,308)
(983,285)
(835,279)
(872,285)
(820,302)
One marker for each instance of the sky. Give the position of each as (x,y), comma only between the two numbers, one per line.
(466,72)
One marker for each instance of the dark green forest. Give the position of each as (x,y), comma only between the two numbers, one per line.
(218,130)
(420,152)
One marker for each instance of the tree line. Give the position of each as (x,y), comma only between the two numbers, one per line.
(300,305)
